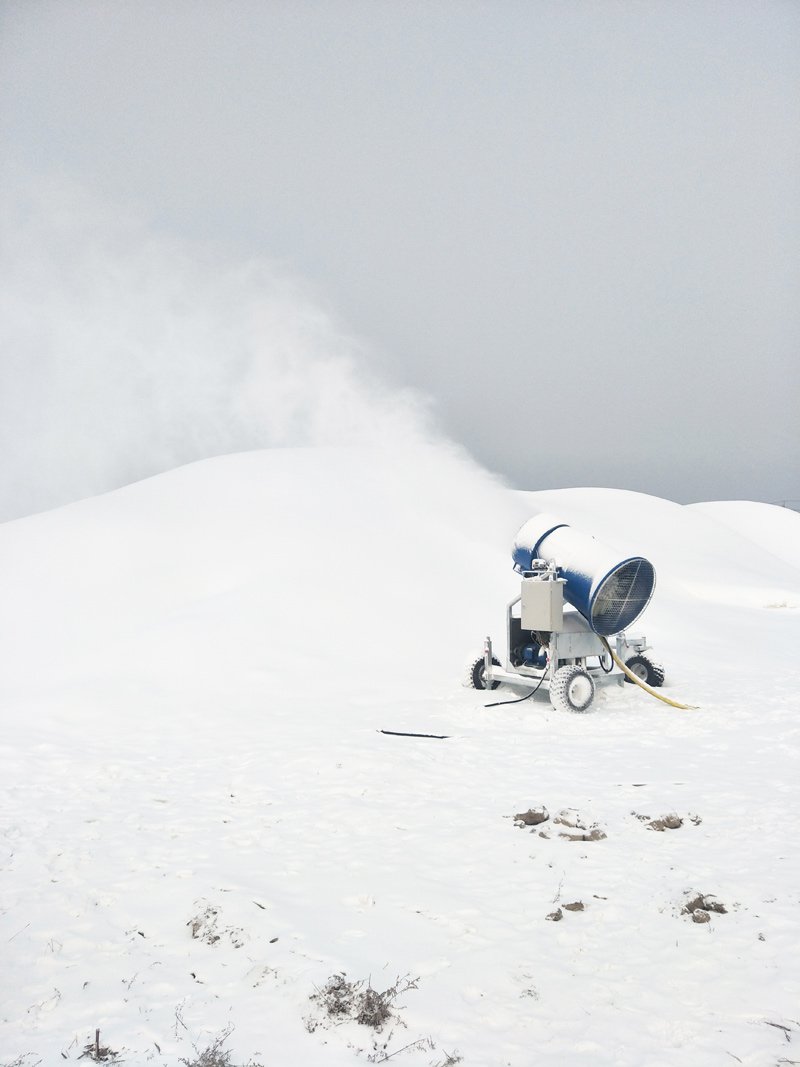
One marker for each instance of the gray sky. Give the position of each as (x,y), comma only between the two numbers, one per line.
(575,224)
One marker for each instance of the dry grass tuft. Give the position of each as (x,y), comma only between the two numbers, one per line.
(341,1000)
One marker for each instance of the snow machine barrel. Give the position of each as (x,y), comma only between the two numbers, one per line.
(611,593)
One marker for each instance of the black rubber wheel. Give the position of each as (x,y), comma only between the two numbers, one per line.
(476,673)
(572,689)
(646,670)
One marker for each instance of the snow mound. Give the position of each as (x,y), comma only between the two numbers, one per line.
(206,834)
(775,530)
(297,562)
(695,551)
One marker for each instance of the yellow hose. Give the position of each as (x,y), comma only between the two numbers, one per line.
(639,682)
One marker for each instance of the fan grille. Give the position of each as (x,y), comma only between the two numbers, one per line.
(622,597)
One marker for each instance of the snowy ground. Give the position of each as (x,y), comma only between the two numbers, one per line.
(195,671)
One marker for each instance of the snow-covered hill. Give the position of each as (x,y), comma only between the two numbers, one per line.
(202,821)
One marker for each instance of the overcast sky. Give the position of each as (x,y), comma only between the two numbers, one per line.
(574,224)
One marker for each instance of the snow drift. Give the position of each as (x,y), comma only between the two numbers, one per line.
(203,821)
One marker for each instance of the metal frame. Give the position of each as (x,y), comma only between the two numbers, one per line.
(564,648)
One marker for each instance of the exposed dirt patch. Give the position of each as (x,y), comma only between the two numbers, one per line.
(701,905)
(587,835)
(584,829)
(670,821)
(666,822)
(532,817)
(570,817)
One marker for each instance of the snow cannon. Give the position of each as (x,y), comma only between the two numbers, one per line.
(611,593)
(565,651)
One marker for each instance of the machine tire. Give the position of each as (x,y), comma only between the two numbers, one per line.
(476,671)
(572,689)
(646,670)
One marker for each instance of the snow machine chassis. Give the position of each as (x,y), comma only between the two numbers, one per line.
(550,647)
(565,673)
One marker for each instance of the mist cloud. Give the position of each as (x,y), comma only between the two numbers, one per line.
(127,353)
(574,225)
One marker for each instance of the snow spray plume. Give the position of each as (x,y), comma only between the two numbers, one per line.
(125,354)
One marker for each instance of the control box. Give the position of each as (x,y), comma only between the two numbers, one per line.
(542,603)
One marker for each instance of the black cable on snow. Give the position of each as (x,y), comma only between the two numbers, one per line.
(500,703)
(399,733)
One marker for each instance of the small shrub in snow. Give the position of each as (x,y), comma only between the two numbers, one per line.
(204,926)
(450,1060)
(101,1053)
(214,1055)
(422,1044)
(341,1000)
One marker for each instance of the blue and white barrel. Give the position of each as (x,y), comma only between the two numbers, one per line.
(611,593)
